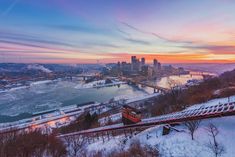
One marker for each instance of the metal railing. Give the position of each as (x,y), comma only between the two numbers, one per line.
(220,110)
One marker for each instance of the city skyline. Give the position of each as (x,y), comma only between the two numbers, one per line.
(60,31)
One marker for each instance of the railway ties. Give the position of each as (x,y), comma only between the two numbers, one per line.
(199,113)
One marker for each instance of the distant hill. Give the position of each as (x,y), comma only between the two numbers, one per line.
(47,68)
(207,67)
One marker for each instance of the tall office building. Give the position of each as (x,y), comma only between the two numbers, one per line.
(156,65)
(135,64)
(133,59)
(155,62)
(142,61)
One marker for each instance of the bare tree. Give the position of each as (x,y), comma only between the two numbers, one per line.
(217,148)
(135,150)
(75,145)
(192,126)
(31,143)
(175,91)
(172,84)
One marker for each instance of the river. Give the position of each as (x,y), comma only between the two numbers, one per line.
(45,96)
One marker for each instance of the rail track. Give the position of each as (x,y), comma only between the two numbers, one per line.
(220,110)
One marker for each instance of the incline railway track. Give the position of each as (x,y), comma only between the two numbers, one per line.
(220,110)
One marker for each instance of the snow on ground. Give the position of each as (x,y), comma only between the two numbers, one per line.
(113,118)
(177,144)
(107,146)
(213,102)
(142,97)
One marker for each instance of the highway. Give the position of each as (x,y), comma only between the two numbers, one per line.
(39,123)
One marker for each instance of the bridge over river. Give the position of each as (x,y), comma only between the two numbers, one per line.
(155,87)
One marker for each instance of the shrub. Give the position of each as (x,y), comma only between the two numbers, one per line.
(30,144)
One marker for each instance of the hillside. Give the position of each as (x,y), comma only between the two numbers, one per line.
(175,144)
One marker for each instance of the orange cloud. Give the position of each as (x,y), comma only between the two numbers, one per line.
(176,58)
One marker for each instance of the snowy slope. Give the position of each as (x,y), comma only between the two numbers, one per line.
(213,102)
(179,144)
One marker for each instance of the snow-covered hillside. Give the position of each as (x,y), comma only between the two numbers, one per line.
(177,144)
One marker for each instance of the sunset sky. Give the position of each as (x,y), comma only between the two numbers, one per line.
(84,31)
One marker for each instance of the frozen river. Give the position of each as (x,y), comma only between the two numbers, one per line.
(51,95)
